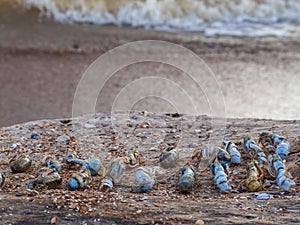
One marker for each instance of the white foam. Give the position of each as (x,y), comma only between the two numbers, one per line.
(227,17)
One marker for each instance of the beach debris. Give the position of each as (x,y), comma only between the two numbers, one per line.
(186,178)
(250,145)
(80,180)
(235,155)
(275,142)
(220,176)
(51,163)
(49,178)
(132,158)
(114,174)
(254,176)
(20,163)
(2,179)
(277,169)
(144,179)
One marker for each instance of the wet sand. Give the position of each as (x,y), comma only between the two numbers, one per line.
(41,63)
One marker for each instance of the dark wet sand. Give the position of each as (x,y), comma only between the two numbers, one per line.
(41,63)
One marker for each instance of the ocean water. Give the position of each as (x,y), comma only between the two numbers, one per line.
(221,17)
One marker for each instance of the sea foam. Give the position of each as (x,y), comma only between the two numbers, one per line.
(223,17)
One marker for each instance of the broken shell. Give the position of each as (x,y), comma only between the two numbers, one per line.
(20,164)
(106,185)
(48,179)
(80,180)
(133,158)
(186,179)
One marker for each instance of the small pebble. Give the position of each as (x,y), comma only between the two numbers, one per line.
(34,136)
(199,222)
(62,138)
(53,220)
(263,196)
(19,194)
(89,126)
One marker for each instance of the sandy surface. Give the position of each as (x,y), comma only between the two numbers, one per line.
(162,205)
(41,64)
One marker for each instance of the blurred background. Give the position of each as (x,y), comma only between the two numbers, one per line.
(252,47)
